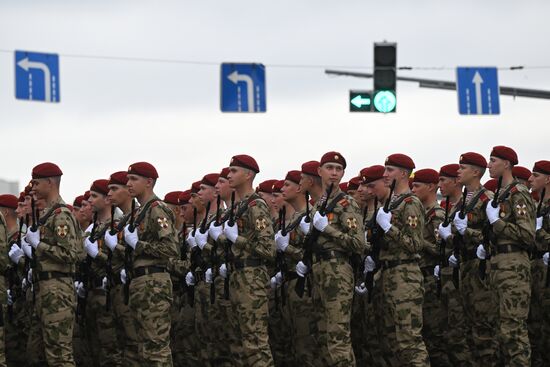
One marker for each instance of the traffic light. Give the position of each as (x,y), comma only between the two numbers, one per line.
(360,100)
(384,76)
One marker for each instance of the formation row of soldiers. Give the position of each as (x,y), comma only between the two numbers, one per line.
(304,271)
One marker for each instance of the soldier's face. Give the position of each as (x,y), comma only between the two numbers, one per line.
(497,166)
(138,184)
(422,190)
(267,198)
(447,185)
(223,189)
(363,193)
(394,173)
(466,174)
(206,194)
(186,213)
(290,190)
(331,173)
(98,201)
(118,194)
(538,181)
(86,210)
(277,200)
(196,202)
(41,187)
(237,176)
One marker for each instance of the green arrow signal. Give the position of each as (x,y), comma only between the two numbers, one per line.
(359,101)
(385,101)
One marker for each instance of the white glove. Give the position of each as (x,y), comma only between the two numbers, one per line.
(539,223)
(231,232)
(26,248)
(437,271)
(131,238)
(384,220)
(273,283)
(80,290)
(461,223)
(201,239)
(492,213)
(370,265)
(545,258)
(33,238)
(24,283)
(444,231)
(190,279)
(281,241)
(91,248)
(361,289)
(10,299)
(366,236)
(104,283)
(453,261)
(15,253)
(481,253)
(301,269)
(214,231)
(320,222)
(191,240)
(223,271)
(279,278)
(208,275)
(111,240)
(123,276)
(304,227)
(29,276)
(89,229)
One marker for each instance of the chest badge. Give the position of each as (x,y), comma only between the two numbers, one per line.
(412,221)
(261,224)
(352,223)
(163,223)
(521,209)
(62,230)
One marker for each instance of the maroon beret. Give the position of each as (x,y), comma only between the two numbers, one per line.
(294,176)
(210,179)
(195,187)
(100,186)
(491,185)
(8,201)
(344,187)
(400,160)
(28,188)
(521,172)
(277,186)
(143,169)
(172,197)
(245,161)
(354,183)
(474,159)
(225,173)
(87,195)
(506,153)
(45,170)
(184,197)
(542,167)
(266,186)
(119,178)
(22,197)
(426,175)
(449,170)
(311,168)
(333,157)
(372,173)
(78,201)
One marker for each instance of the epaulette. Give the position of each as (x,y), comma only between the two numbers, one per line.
(484,198)
(57,211)
(514,189)
(156,203)
(344,202)
(252,203)
(409,199)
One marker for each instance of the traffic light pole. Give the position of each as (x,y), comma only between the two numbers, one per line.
(442,84)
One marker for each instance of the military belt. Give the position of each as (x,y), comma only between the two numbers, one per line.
(393,263)
(47,275)
(247,263)
(146,270)
(506,249)
(328,255)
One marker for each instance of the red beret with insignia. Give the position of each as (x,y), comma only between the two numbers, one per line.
(426,175)
(119,178)
(210,179)
(449,170)
(184,197)
(344,187)
(294,176)
(266,186)
(521,172)
(354,183)
(172,197)
(506,153)
(542,167)
(143,169)
(333,157)
(400,160)
(277,186)
(100,186)
(225,173)
(474,159)
(311,168)
(195,187)
(78,201)
(45,170)
(8,201)
(244,161)
(372,173)
(491,185)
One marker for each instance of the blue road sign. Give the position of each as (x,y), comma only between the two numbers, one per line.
(243,88)
(36,76)
(478,91)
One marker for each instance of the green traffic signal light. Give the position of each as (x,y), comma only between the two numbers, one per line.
(385,101)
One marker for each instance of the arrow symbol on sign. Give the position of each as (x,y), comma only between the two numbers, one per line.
(25,64)
(235,77)
(477,82)
(359,101)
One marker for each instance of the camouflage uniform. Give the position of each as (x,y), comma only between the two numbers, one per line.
(151,287)
(543,244)
(4,262)
(511,272)
(333,277)
(402,281)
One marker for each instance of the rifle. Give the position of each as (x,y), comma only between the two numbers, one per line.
(539,214)
(86,275)
(11,274)
(191,288)
(128,254)
(109,265)
(457,240)
(309,242)
(214,255)
(373,228)
(442,248)
(34,227)
(183,257)
(227,248)
(280,257)
(494,204)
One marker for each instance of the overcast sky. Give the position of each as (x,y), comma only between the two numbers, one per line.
(113,113)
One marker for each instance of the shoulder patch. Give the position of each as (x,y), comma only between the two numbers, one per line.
(344,202)
(408,200)
(252,203)
(154,204)
(484,198)
(514,189)
(57,211)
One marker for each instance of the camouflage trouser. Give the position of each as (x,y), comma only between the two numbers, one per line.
(434,323)
(545,295)
(402,298)
(333,288)
(203,329)
(222,331)
(55,306)
(458,348)
(81,346)
(186,333)
(480,310)
(35,345)
(279,330)
(176,334)
(229,334)
(125,327)
(511,279)
(3,320)
(248,293)
(534,322)
(150,300)
(16,334)
(375,337)
(358,316)
(303,328)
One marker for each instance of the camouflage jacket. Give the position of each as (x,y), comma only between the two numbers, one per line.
(543,234)
(4,261)
(179,265)
(98,265)
(430,249)
(295,249)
